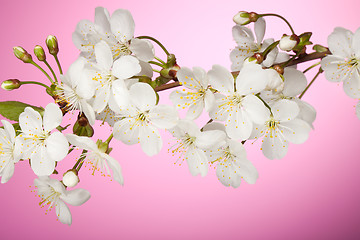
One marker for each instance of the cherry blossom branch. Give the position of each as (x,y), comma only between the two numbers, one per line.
(312,81)
(301,59)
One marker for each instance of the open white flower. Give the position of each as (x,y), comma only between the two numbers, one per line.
(232,164)
(282,127)
(199,97)
(239,108)
(39,144)
(10,152)
(117,31)
(247,45)
(53,193)
(344,63)
(142,119)
(191,143)
(76,89)
(97,157)
(111,77)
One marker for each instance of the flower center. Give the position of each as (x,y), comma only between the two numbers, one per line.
(121,49)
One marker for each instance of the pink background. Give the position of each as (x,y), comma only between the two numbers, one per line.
(313,193)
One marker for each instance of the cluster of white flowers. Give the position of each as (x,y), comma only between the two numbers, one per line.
(262,100)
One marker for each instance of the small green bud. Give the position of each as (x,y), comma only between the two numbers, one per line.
(22,54)
(52,44)
(319,48)
(10,84)
(39,53)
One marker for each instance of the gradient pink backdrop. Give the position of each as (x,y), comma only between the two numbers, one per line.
(313,193)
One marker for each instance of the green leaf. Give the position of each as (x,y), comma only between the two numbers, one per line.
(12,109)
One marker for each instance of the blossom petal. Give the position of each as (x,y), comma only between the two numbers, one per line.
(82,142)
(103,54)
(30,121)
(242,34)
(210,139)
(285,110)
(356,42)
(126,67)
(41,164)
(143,96)
(57,146)
(88,111)
(197,162)
(163,116)
(52,117)
(352,85)
(101,98)
(274,146)
(63,213)
(121,93)
(228,175)
(335,68)
(256,109)
(251,79)
(142,49)
(340,41)
(150,140)
(295,82)
(259,28)
(221,79)
(9,130)
(126,131)
(188,79)
(102,21)
(122,25)
(295,131)
(115,168)
(239,125)
(209,100)
(7,172)
(76,197)
(195,110)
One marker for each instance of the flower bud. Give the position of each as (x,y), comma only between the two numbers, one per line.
(259,57)
(287,43)
(39,53)
(319,48)
(71,178)
(279,69)
(10,84)
(22,54)
(52,44)
(242,18)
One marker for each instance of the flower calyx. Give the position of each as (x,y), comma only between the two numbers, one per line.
(82,127)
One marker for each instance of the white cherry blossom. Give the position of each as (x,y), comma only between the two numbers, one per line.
(247,45)
(53,194)
(97,157)
(231,160)
(76,90)
(10,151)
(238,106)
(142,119)
(191,143)
(111,78)
(117,30)
(344,63)
(39,144)
(282,127)
(199,95)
